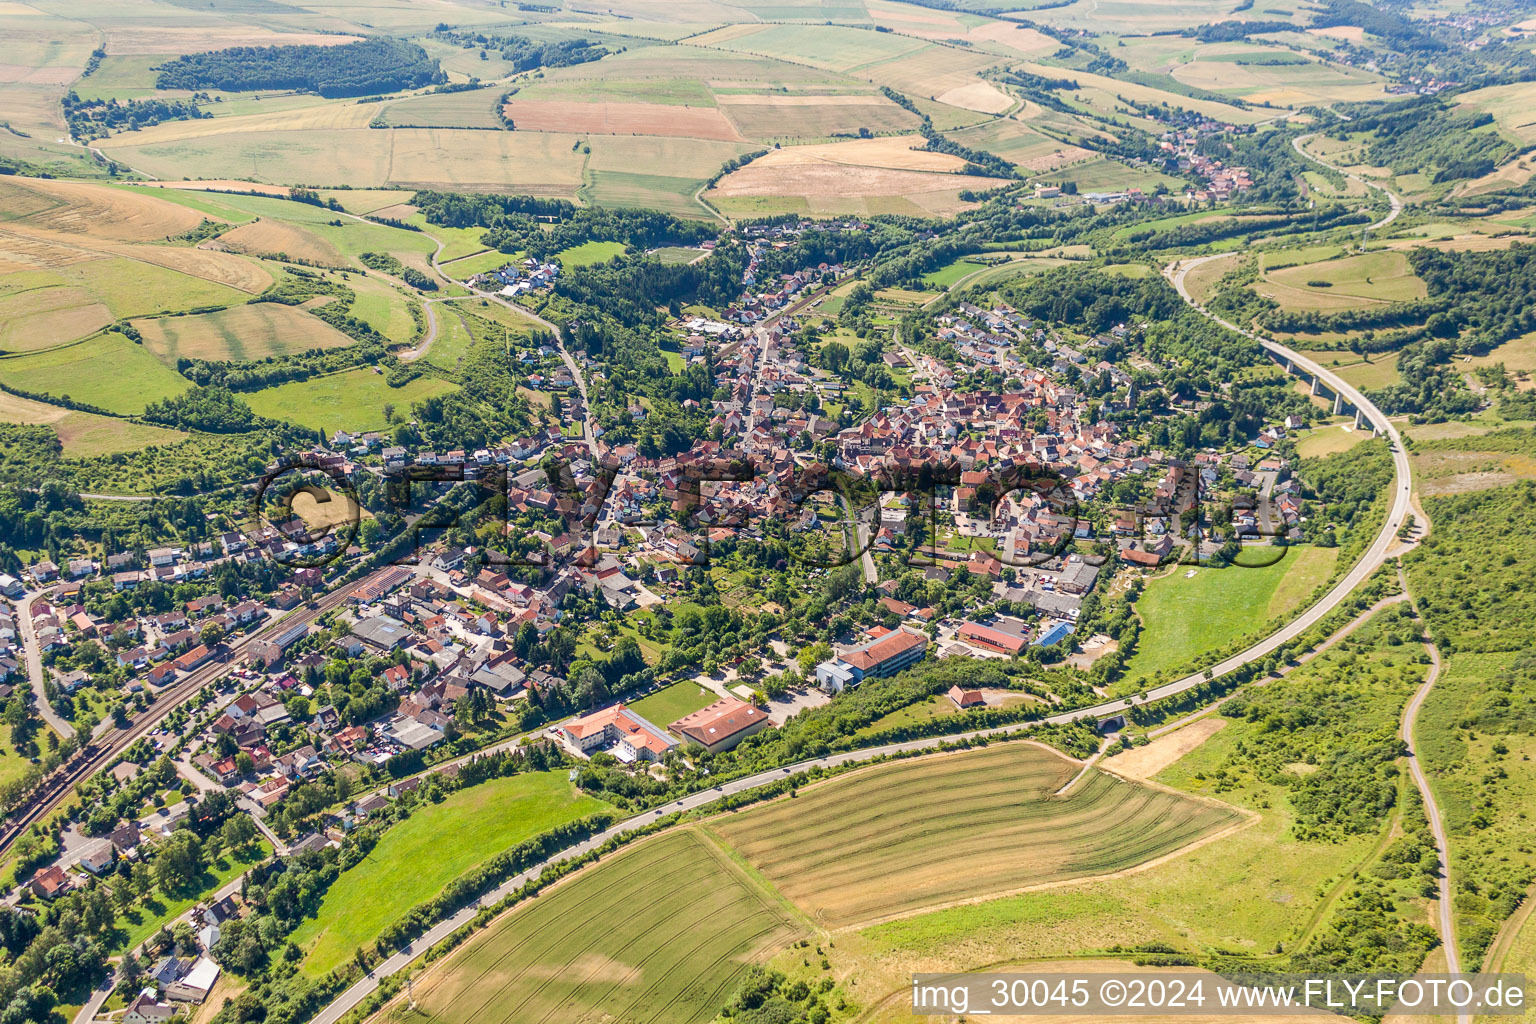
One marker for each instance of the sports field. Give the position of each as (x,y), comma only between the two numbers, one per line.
(898,838)
(588,253)
(670,703)
(352,400)
(253,331)
(413,864)
(658,934)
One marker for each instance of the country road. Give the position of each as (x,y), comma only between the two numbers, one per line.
(1392,197)
(1447,909)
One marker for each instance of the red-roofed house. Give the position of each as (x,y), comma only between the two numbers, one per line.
(721,725)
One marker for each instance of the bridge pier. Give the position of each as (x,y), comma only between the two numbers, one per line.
(1316,386)
(1359,419)
(1338,404)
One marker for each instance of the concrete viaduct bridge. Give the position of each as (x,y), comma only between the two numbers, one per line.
(1320,387)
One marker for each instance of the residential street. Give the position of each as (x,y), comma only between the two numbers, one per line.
(36,674)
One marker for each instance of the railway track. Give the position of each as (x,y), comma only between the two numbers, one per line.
(98,754)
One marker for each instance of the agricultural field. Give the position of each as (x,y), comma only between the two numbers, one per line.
(1510,106)
(880,843)
(274,238)
(351,400)
(106,371)
(1275,76)
(656,934)
(85,434)
(807,116)
(475,108)
(413,864)
(466,267)
(44,308)
(1019,144)
(1250,890)
(1184,616)
(1350,282)
(621,119)
(588,253)
(1001,37)
(886,175)
(253,331)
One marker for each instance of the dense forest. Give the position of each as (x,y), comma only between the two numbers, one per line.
(363,68)
(95,118)
(522,53)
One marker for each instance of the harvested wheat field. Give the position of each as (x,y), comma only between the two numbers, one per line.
(127,40)
(892,840)
(621,119)
(255,331)
(224,268)
(659,933)
(761,116)
(900,152)
(93,211)
(221,185)
(863,177)
(275,237)
(982,96)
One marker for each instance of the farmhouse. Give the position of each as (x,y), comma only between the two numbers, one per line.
(146,1009)
(721,725)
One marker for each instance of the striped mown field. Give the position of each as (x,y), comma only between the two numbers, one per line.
(658,934)
(921,834)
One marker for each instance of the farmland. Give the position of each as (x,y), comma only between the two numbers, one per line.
(880,843)
(658,934)
(1247,890)
(352,400)
(253,331)
(886,175)
(469,109)
(413,864)
(1184,616)
(84,434)
(621,119)
(1347,283)
(106,371)
(759,116)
